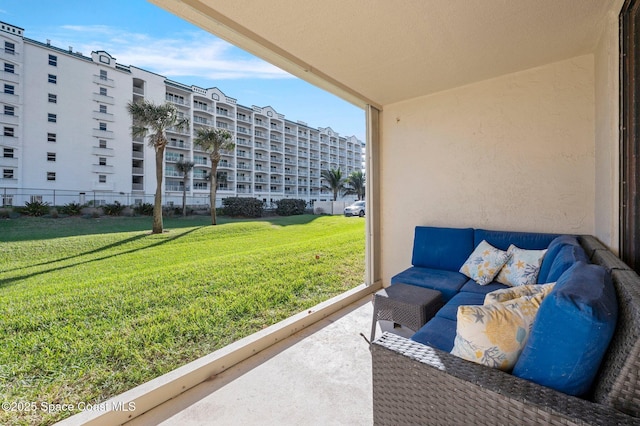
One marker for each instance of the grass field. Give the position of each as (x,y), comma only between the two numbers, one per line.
(90,308)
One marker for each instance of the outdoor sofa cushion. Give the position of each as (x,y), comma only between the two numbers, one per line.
(446,282)
(441,248)
(572,331)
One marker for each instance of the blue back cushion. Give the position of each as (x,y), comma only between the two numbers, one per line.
(566,257)
(524,240)
(571,331)
(441,248)
(552,252)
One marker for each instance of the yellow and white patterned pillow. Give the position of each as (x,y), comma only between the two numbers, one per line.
(505,294)
(494,335)
(522,268)
(484,263)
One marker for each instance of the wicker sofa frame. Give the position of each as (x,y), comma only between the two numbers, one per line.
(418,384)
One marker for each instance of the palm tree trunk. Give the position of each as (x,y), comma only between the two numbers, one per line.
(184,199)
(213,191)
(157,227)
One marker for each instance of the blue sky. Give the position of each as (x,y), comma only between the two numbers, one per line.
(139,33)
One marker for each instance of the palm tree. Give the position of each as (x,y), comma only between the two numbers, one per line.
(334,182)
(153,120)
(213,141)
(184,167)
(356,184)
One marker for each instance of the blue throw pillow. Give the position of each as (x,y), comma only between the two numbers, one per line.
(441,248)
(572,331)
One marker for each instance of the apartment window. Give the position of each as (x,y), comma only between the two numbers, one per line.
(9,89)
(7,201)
(102,143)
(7,173)
(102,178)
(9,110)
(103,109)
(52,118)
(51,156)
(9,68)
(102,161)
(9,48)
(53,79)
(103,91)
(52,137)
(8,131)
(35,199)
(51,175)
(53,98)
(103,126)
(7,152)
(103,75)
(53,60)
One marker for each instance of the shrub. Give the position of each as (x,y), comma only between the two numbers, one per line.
(145,209)
(113,209)
(242,207)
(289,207)
(72,209)
(35,208)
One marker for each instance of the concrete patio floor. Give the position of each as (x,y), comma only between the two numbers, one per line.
(320,375)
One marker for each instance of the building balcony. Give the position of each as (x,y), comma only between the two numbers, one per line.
(9,119)
(103,116)
(202,120)
(9,99)
(225,165)
(137,170)
(181,145)
(103,98)
(104,186)
(138,91)
(104,81)
(10,77)
(8,162)
(9,140)
(137,187)
(10,55)
(137,154)
(97,168)
(103,152)
(103,134)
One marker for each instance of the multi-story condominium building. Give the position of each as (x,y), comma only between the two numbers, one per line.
(66,135)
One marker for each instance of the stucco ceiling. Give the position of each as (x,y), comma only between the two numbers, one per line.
(386,51)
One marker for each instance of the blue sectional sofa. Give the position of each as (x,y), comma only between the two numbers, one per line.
(579,364)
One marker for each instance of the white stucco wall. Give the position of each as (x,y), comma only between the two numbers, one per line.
(607,136)
(514,152)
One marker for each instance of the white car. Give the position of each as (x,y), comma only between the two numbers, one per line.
(355,209)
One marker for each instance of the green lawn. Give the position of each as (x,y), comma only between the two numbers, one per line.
(92,307)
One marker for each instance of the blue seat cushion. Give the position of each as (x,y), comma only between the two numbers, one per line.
(450,310)
(446,282)
(567,256)
(473,287)
(571,332)
(441,248)
(552,252)
(503,239)
(438,333)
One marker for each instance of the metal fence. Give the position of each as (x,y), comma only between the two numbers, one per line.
(60,197)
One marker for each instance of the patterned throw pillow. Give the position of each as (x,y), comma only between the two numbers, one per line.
(494,335)
(522,268)
(484,263)
(506,294)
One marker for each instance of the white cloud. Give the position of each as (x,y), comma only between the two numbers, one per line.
(197,54)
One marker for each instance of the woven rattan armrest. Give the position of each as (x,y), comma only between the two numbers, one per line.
(417,384)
